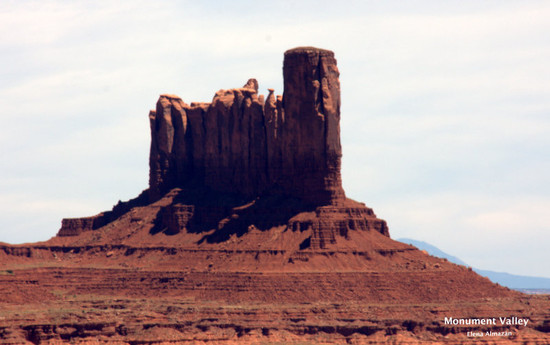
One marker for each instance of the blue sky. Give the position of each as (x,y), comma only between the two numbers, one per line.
(445,114)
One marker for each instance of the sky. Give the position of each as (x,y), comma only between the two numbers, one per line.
(445,108)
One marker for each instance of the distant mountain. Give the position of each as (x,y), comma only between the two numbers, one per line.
(517,282)
(432,250)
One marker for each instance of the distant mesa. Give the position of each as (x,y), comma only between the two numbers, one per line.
(247,161)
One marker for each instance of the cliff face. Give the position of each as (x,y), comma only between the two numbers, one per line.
(220,145)
(243,144)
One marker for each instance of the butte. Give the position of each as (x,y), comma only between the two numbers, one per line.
(245,235)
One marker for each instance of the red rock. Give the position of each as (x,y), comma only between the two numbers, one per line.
(310,133)
(238,144)
(75,226)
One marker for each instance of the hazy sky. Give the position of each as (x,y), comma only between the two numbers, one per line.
(445,114)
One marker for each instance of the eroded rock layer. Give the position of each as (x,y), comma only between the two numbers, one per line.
(105,294)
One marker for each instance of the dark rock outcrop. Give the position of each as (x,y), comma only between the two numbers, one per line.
(280,156)
(75,226)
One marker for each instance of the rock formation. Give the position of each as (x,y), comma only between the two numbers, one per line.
(245,236)
(280,155)
(244,145)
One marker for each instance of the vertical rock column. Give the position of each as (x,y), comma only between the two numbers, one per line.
(169,159)
(310,133)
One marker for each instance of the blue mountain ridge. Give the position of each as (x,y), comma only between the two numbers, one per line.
(512,281)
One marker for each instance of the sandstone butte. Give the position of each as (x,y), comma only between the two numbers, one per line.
(245,236)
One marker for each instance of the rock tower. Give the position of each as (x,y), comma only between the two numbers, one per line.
(243,144)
